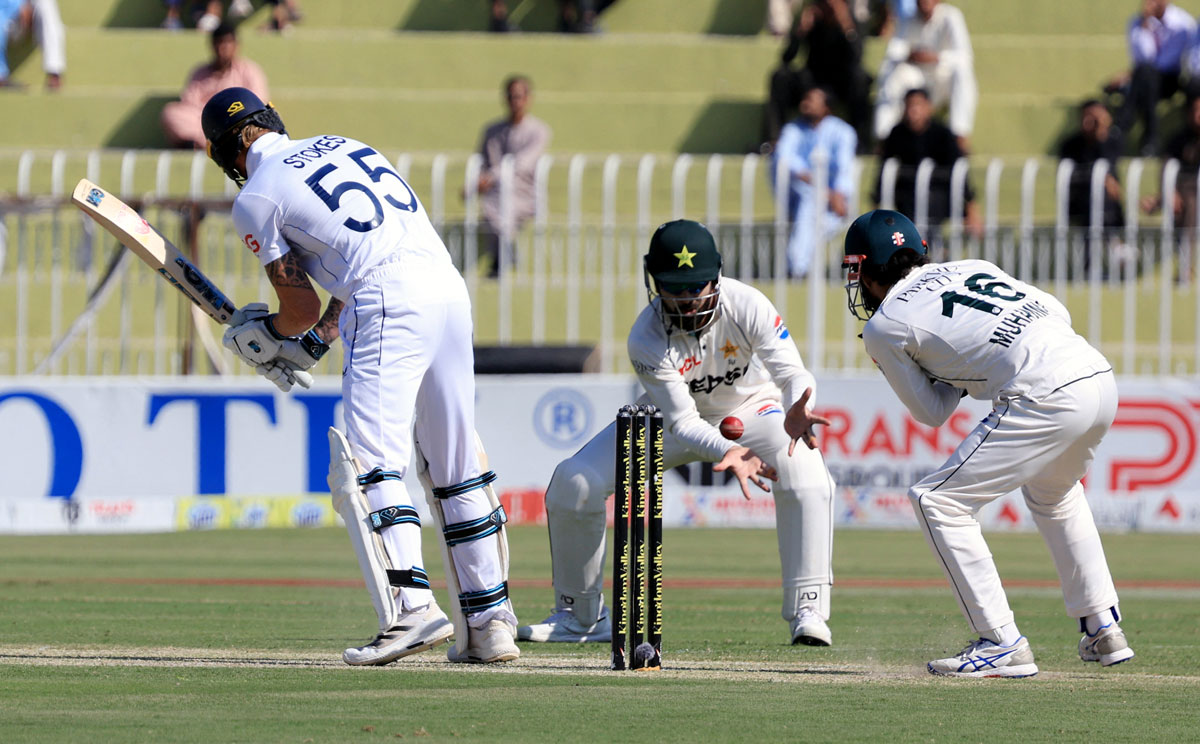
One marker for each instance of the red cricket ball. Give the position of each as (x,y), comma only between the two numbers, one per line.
(732,427)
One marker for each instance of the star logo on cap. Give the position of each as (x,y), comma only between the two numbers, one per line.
(898,238)
(685,258)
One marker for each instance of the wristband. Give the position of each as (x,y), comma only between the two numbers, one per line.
(313,344)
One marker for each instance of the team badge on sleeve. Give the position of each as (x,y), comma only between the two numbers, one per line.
(780,329)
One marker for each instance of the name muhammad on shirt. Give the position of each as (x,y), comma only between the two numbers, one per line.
(1007,330)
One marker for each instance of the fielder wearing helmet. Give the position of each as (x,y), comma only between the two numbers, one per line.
(682,270)
(882,246)
(707,349)
(942,331)
(225,121)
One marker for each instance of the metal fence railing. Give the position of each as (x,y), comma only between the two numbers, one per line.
(572,272)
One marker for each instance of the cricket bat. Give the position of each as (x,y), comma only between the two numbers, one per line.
(136,234)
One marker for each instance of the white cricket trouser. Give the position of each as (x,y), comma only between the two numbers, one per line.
(952,84)
(576,513)
(1044,448)
(49,33)
(407,334)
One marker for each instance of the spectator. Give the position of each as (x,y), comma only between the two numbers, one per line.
(181,119)
(803,142)
(1158,37)
(1095,140)
(498,22)
(208,19)
(283,14)
(919,136)
(781,15)
(932,50)
(525,137)
(827,29)
(19,19)
(1184,147)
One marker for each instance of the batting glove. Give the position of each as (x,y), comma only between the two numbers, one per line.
(254,340)
(284,377)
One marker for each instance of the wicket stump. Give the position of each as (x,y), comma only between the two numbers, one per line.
(637,619)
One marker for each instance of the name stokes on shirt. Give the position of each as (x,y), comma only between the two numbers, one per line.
(315,151)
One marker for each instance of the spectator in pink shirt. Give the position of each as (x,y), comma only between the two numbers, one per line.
(181,119)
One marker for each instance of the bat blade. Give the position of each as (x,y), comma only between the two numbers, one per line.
(136,234)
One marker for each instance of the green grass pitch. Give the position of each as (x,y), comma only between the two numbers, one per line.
(236,636)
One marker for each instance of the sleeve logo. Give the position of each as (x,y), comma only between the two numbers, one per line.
(780,329)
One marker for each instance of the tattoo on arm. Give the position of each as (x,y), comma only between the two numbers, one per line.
(327,326)
(286,271)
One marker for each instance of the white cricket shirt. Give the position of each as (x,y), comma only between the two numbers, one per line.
(336,203)
(968,326)
(745,354)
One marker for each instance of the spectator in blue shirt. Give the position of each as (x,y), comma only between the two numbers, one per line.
(815,136)
(1158,37)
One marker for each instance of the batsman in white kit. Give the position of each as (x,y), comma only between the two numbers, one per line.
(939,332)
(332,209)
(707,347)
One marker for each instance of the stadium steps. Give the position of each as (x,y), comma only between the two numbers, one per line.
(430,92)
(744,17)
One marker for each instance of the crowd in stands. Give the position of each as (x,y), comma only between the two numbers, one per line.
(206,15)
(573,16)
(928,68)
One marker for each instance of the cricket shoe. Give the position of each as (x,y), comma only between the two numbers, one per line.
(562,627)
(487,645)
(1108,646)
(809,629)
(984,658)
(412,633)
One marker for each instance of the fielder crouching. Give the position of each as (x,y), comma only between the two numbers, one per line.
(705,348)
(940,332)
(332,209)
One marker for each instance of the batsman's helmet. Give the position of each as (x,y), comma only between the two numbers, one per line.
(871,242)
(224,117)
(683,259)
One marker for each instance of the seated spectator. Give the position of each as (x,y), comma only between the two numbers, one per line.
(207,14)
(1184,147)
(781,15)
(283,14)
(40,18)
(1095,140)
(932,51)
(525,137)
(814,134)
(919,136)
(833,60)
(181,119)
(1158,37)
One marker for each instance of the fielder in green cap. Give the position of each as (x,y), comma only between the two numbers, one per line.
(941,331)
(716,358)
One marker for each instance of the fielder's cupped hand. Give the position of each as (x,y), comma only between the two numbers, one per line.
(799,423)
(251,335)
(747,466)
